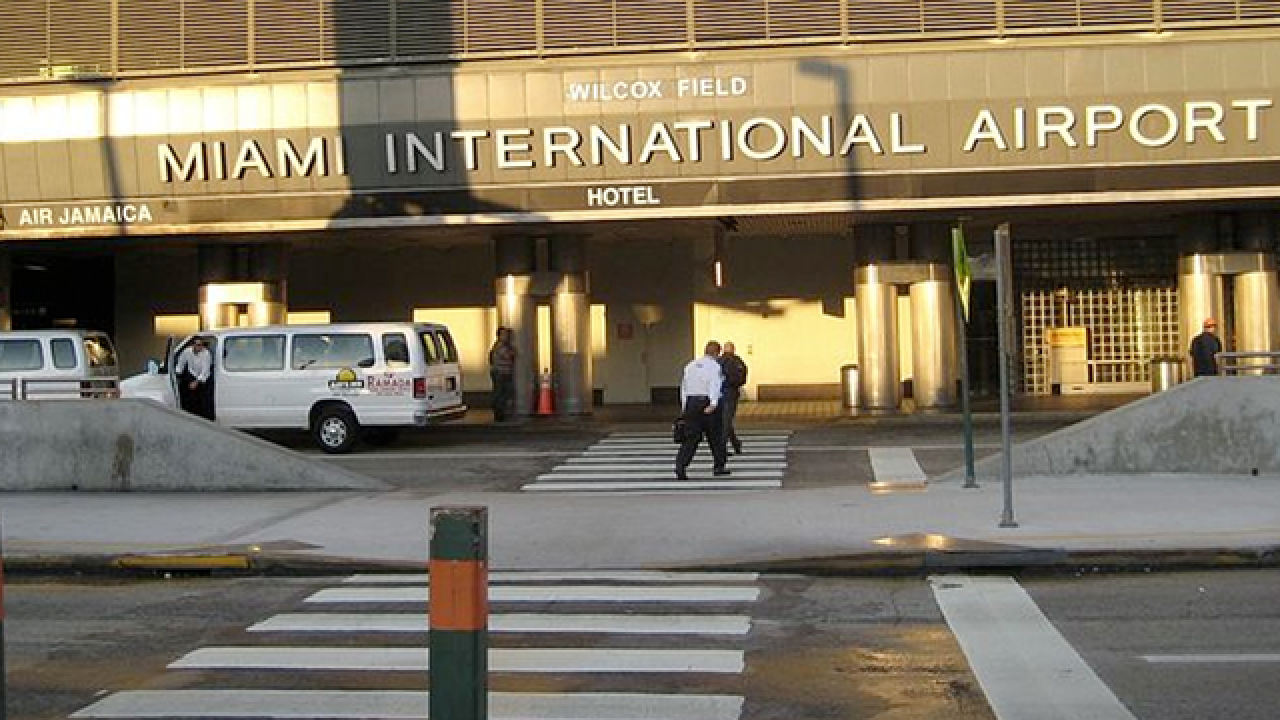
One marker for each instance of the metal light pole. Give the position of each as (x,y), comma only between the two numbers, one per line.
(1004,314)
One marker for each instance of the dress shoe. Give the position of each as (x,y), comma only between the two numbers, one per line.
(720,471)
(681,476)
(737,449)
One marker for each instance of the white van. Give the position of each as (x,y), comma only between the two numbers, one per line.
(57,365)
(340,381)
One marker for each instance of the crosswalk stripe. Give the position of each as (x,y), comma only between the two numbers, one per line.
(513,623)
(658,435)
(667,457)
(892,465)
(665,464)
(653,474)
(1012,647)
(664,487)
(747,445)
(502,660)
(516,576)
(407,705)
(563,593)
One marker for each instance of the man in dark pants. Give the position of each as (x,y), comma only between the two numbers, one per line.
(502,371)
(700,399)
(735,376)
(1204,350)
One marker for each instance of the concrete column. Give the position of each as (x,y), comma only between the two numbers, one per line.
(248,279)
(1256,296)
(1201,291)
(933,338)
(570,327)
(6,291)
(515,261)
(876,299)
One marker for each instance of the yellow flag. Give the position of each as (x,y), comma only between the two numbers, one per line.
(960,259)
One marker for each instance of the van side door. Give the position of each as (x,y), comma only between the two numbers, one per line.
(249,376)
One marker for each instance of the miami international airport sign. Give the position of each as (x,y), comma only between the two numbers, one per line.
(684,142)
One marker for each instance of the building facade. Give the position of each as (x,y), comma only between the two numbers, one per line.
(622,180)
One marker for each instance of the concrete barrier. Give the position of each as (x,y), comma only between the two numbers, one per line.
(139,445)
(1215,426)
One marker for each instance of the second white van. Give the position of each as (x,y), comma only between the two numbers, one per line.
(341,381)
(59,364)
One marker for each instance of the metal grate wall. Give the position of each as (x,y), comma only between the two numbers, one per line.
(1122,291)
(70,39)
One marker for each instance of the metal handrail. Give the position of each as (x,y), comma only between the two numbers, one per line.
(59,388)
(1228,362)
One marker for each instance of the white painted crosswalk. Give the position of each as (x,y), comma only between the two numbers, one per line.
(644,462)
(626,626)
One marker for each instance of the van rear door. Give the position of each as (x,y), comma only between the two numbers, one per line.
(444,375)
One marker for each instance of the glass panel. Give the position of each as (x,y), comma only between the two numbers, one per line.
(20,355)
(395,348)
(247,354)
(100,351)
(429,348)
(64,353)
(332,351)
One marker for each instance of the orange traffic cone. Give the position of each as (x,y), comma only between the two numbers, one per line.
(544,394)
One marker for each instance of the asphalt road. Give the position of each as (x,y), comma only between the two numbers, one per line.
(1166,646)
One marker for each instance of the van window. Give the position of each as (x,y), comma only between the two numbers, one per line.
(258,352)
(20,355)
(395,349)
(429,348)
(332,351)
(448,350)
(100,352)
(64,353)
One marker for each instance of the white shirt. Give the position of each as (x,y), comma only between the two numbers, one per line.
(199,364)
(702,376)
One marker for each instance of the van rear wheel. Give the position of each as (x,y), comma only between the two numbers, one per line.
(336,430)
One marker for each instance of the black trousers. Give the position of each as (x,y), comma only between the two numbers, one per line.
(198,401)
(699,424)
(504,395)
(729,406)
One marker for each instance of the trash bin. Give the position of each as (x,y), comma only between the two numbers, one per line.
(1165,373)
(849,386)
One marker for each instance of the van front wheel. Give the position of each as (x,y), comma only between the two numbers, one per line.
(336,430)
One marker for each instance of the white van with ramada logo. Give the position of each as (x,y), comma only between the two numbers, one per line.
(342,381)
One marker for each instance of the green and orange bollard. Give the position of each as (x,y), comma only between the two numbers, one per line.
(459,614)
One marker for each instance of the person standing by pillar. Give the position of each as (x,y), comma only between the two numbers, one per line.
(1204,350)
(502,371)
(735,376)
(700,392)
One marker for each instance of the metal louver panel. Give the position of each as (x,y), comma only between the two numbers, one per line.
(959,15)
(1116,12)
(355,30)
(1036,14)
(1259,9)
(803,18)
(652,22)
(429,27)
(80,35)
(501,26)
(879,17)
(717,20)
(286,31)
(25,46)
(568,24)
(150,35)
(215,34)
(1175,11)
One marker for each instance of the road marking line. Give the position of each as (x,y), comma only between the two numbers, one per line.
(658,463)
(515,576)
(656,474)
(513,623)
(1211,659)
(406,705)
(559,593)
(891,465)
(508,660)
(1026,668)
(665,487)
(650,434)
(605,458)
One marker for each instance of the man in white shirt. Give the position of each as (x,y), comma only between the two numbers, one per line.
(700,391)
(194,369)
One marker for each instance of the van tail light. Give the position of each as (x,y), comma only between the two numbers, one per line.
(419,388)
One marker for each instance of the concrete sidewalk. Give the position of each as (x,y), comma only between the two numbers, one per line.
(1077,521)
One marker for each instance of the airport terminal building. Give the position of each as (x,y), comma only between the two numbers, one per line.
(622,180)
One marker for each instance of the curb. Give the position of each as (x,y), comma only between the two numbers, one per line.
(895,564)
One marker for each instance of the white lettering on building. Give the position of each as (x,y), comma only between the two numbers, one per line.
(95,214)
(622,195)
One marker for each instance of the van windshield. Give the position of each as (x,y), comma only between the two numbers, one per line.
(99,351)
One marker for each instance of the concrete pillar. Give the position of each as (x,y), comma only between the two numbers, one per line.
(515,261)
(242,279)
(6,291)
(570,327)
(1256,296)
(933,340)
(1201,290)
